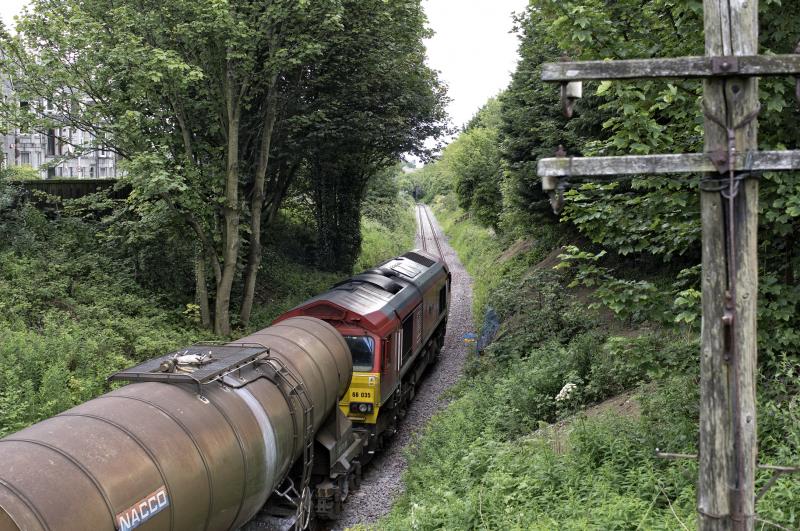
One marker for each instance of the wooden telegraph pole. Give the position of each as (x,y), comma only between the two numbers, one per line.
(725,493)
(729,212)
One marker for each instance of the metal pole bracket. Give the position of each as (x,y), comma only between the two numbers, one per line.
(724,65)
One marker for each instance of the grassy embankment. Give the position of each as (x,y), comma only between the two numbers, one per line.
(76,307)
(508,454)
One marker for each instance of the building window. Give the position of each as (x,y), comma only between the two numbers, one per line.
(91,171)
(25,158)
(51,142)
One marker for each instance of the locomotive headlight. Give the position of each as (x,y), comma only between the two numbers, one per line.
(360,407)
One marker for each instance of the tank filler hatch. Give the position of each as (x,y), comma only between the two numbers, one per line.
(199,365)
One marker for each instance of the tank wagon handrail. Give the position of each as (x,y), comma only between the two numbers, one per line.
(296,388)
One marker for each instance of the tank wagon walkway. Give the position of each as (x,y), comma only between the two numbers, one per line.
(381,483)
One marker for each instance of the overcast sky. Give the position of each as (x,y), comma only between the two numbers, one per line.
(472,48)
(9,8)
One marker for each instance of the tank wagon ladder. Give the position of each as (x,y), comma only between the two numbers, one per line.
(290,386)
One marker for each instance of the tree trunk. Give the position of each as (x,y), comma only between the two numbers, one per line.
(257,206)
(230,210)
(201,288)
(338,194)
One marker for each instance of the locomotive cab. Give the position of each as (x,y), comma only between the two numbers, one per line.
(362,401)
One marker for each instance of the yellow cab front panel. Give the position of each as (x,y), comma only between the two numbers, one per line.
(362,401)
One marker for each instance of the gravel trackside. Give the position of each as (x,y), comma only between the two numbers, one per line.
(381,483)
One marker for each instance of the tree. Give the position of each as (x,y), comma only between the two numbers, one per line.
(651,219)
(475,161)
(370,99)
(186,94)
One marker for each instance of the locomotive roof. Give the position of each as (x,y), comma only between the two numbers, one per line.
(378,293)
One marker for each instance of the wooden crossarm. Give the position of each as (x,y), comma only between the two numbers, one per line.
(683,67)
(683,163)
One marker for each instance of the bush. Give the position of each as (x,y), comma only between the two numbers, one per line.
(71,313)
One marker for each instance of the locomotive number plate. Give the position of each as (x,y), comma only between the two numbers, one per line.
(360,394)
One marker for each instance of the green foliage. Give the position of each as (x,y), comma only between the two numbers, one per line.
(216,108)
(647,218)
(477,248)
(430,181)
(387,236)
(370,99)
(469,470)
(491,460)
(637,254)
(476,164)
(470,167)
(292,277)
(20,173)
(71,314)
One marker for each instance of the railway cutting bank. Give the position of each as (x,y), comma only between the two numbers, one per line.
(556,422)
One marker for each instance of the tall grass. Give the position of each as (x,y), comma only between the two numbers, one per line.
(382,239)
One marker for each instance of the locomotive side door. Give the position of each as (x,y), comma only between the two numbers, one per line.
(390,359)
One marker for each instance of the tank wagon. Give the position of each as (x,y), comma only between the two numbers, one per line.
(200,441)
(274,426)
(393,318)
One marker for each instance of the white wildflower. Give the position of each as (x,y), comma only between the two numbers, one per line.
(566,392)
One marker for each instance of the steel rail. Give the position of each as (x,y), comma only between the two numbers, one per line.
(421,227)
(432,230)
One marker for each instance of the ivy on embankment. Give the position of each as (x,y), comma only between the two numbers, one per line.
(515,449)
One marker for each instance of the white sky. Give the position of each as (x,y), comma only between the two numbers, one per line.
(9,8)
(472,47)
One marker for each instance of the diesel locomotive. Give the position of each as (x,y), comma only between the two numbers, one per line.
(393,318)
(271,429)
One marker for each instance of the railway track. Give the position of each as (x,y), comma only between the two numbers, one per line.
(427,231)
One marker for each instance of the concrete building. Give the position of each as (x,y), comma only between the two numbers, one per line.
(62,152)
(55,154)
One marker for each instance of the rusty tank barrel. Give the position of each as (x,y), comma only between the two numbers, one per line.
(175,456)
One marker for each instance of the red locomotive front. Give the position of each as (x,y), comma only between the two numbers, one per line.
(393,319)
